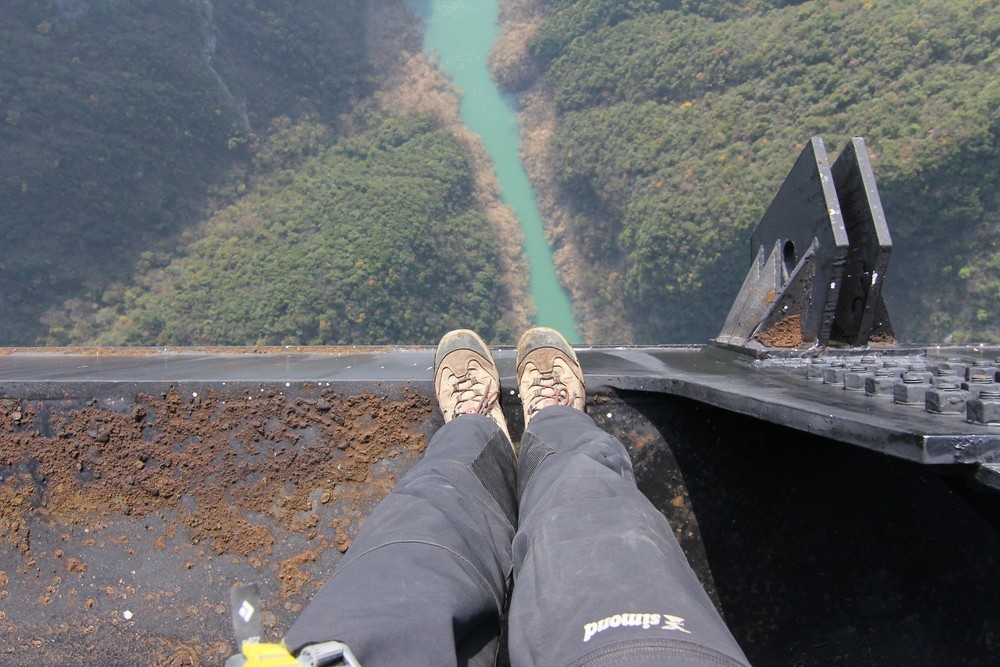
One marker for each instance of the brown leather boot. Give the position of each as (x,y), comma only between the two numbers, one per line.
(466,380)
(548,372)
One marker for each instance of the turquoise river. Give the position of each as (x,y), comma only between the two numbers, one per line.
(459,34)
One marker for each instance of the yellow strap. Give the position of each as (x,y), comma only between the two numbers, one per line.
(268,655)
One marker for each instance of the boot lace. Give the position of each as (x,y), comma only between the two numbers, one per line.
(548,389)
(472,396)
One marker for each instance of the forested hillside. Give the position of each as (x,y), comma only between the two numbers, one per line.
(374,240)
(222,171)
(122,120)
(677,121)
(214,172)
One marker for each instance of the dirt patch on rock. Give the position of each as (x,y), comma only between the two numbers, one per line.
(130,515)
(784,334)
(883,339)
(14,505)
(291,576)
(229,456)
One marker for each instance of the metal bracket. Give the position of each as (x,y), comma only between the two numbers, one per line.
(988,476)
(819,257)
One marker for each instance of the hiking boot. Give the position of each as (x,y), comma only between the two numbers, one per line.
(466,380)
(548,372)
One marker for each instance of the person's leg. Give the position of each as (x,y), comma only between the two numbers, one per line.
(426,579)
(599,578)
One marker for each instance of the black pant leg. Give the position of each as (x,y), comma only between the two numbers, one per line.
(425,581)
(599,578)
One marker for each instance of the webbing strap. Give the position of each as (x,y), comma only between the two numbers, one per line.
(496,470)
(532,452)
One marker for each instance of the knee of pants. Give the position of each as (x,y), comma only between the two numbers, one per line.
(610,453)
(601,448)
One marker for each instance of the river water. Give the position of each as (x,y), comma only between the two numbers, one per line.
(459,34)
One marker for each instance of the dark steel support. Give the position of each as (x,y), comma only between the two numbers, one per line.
(861,314)
(988,476)
(819,257)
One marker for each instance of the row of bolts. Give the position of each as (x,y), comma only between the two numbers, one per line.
(954,387)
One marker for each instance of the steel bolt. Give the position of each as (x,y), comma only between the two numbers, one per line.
(955,364)
(946,398)
(980,367)
(815,370)
(921,367)
(881,383)
(986,408)
(911,390)
(834,374)
(946,376)
(979,382)
(870,362)
(856,378)
(960,369)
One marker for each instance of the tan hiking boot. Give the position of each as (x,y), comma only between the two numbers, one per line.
(548,372)
(466,380)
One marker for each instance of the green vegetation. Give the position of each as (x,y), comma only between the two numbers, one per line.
(679,119)
(208,172)
(121,120)
(374,240)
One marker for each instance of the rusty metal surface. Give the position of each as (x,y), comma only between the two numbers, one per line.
(127,514)
(135,489)
(776,389)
